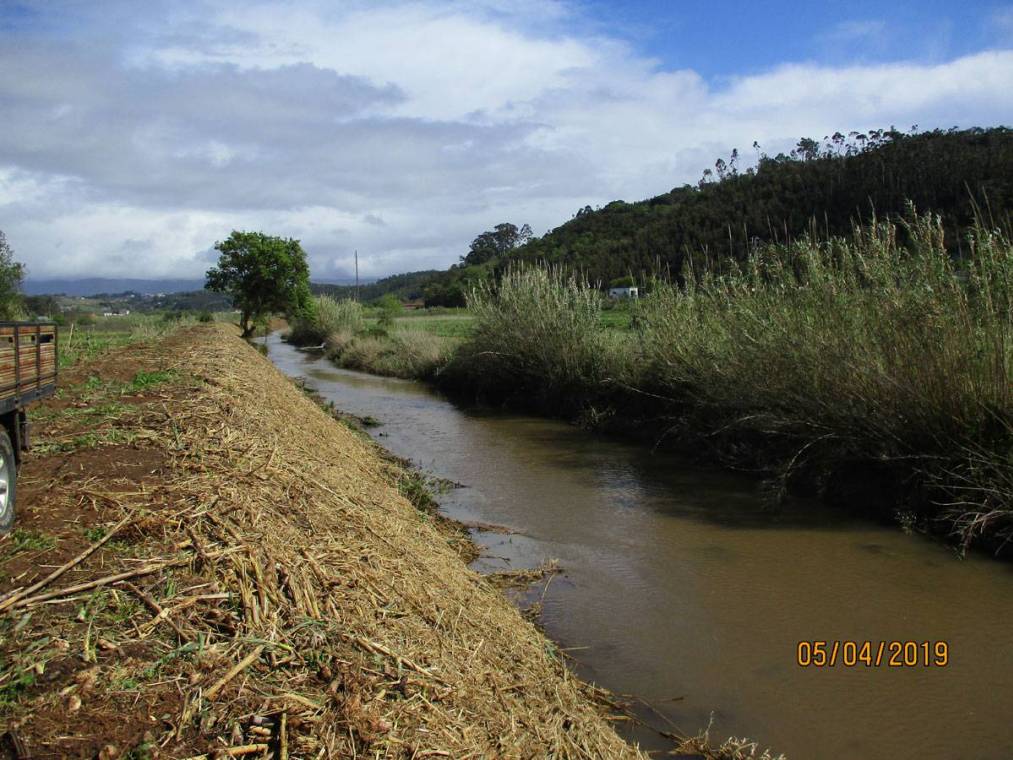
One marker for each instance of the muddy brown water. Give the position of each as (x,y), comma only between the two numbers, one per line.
(685,588)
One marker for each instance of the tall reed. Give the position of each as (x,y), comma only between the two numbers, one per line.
(818,360)
(406,353)
(326,318)
(537,333)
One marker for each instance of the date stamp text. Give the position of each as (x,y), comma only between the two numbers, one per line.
(872,654)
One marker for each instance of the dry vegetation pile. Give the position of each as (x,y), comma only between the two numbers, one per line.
(206,564)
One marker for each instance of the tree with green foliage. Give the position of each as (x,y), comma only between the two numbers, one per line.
(42,306)
(497,241)
(11,275)
(263,275)
(390,309)
(451,288)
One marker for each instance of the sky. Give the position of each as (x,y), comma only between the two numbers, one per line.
(133,136)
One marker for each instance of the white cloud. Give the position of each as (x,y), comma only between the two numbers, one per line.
(400,129)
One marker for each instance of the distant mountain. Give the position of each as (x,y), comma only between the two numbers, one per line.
(90,286)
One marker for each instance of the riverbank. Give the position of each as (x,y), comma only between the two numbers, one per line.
(244,576)
(694,554)
(873,372)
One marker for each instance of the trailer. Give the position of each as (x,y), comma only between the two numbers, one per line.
(28,372)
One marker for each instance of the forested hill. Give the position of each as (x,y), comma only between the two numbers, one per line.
(828,185)
(407,287)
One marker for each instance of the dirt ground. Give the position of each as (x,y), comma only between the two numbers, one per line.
(92,463)
(255,584)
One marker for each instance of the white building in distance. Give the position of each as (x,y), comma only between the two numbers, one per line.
(625,292)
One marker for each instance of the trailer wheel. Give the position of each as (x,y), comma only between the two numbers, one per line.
(8,482)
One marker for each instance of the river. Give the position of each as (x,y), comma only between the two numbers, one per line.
(685,588)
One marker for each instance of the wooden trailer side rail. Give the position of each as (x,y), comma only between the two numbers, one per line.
(28,363)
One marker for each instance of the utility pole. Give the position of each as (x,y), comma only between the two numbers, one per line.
(356,274)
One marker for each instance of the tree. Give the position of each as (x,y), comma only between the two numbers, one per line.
(493,243)
(390,308)
(42,306)
(263,275)
(11,275)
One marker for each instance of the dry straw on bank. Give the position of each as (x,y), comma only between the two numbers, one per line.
(335,566)
(324,615)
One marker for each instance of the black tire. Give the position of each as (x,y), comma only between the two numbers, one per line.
(8,482)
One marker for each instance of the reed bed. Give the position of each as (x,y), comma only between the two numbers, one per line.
(388,347)
(539,334)
(879,358)
(327,317)
(406,352)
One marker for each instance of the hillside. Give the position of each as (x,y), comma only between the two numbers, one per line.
(91,286)
(407,286)
(822,186)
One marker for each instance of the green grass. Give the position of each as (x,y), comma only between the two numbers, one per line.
(82,342)
(350,318)
(439,312)
(107,411)
(441,326)
(398,352)
(96,388)
(617,318)
(143,381)
(89,440)
(15,681)
(419,490)
(29,540)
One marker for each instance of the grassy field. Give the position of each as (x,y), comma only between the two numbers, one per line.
(87,339)
(618,318)
(441,325)
(384,342)
(458,324)
(415,344)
